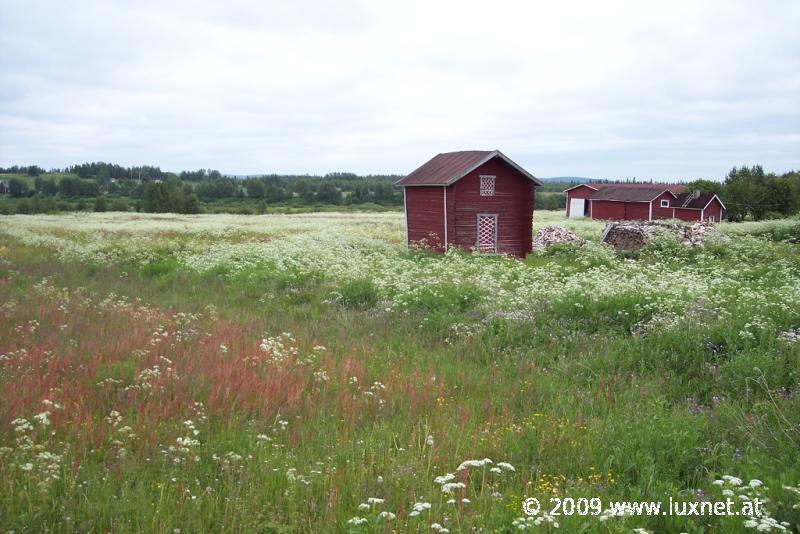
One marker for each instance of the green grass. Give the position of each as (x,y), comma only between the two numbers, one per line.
(611,386)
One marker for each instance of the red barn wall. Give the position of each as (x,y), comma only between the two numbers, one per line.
(582,191)
(637,211)
(425,214)
(714,209)
(620,211)
(686,214)
(512,202)
(607,209)
(658,211)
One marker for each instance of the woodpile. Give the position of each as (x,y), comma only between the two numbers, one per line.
(633,235)
(554,235)
(695,234)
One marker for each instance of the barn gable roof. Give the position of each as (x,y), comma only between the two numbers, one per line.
(590,186)
(697,202)
(449,167)
(624,193)
(673,188)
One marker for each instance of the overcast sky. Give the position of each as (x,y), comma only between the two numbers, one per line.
(662,90)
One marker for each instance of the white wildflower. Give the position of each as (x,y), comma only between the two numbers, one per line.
(444,478)
(450,486)
(473,463)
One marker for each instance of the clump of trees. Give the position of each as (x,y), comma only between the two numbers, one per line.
(170,197)
(750,193)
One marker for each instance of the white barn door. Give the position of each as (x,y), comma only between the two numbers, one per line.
(576,208)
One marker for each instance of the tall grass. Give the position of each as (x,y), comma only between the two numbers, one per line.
(327,389)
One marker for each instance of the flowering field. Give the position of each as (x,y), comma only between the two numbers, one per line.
(291,373)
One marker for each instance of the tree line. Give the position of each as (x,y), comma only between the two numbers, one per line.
(751,194)
(153,190)
(747,192)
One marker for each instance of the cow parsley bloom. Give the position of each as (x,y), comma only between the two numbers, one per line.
(444,478)
(43,418)
(450,486)
(473,463)
(418,508)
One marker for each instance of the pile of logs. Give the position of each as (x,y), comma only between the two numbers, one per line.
(554,235)
(633,235)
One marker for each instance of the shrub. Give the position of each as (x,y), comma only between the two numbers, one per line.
(359,294)
(100,203)
(159,267)
(445,297)
(119,205)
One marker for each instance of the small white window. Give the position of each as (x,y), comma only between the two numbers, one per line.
(665,203)
(487,186)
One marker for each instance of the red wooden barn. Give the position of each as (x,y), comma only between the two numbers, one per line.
(471,199)
(644,202)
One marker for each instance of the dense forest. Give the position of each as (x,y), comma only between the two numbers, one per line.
(105,186)
(748,192)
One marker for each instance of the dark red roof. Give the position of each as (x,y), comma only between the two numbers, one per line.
(694,201)
(625,193)
(449,167)
(675,188)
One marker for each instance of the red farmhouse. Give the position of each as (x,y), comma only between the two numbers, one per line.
(472,199)
(644,202)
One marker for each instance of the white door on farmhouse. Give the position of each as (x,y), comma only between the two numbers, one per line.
(487,233)
(576,207)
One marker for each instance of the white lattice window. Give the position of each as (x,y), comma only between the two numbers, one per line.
(487,233)
(665,203)
(487,186)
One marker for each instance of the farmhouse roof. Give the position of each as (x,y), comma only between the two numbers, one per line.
(449,167)
(674,188)
(625,193)
(696,202)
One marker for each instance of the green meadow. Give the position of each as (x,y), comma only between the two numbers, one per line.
(307,372)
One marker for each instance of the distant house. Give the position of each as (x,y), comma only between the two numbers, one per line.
(645,202)
(471,199)
(698,206)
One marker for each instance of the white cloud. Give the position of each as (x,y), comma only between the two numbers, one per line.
(607,89)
